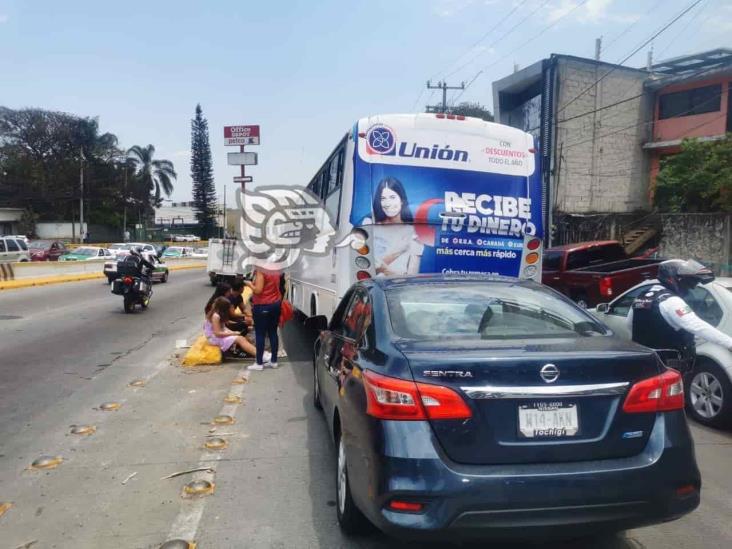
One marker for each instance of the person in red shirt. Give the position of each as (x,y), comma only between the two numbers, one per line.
(266,307)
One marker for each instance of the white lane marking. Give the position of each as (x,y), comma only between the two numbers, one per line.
(186,523)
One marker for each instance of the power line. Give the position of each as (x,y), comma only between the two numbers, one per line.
(688,24)
(477,42)
(717,96)
(522,46)
(636,50)
(631,26)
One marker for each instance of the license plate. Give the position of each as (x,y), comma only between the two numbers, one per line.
(548,420)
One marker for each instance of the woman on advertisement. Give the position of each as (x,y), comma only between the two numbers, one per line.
(397,250)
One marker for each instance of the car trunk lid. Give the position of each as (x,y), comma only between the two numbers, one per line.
(543,401)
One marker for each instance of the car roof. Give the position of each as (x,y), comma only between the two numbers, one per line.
(387,283)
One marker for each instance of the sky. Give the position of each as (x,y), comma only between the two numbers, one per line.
(304,71)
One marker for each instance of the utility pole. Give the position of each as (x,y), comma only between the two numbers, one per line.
(82,232)
(223,235)
(444,87)
(124,215)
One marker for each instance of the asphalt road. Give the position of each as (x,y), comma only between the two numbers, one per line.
(73,348)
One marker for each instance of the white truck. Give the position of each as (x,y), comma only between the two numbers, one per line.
(224,260)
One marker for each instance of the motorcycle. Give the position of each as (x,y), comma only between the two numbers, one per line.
(132,287)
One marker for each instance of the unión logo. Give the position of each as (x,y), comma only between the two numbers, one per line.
(380,140)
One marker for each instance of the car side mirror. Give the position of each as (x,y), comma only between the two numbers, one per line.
(316,323)
(603,308)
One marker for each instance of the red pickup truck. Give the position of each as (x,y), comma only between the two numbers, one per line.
(594,272)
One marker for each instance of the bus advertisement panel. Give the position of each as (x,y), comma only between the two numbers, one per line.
(465,200)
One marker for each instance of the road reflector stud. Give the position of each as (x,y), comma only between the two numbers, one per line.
(199,488)
(110,406)
(216,443)
(4,508)
(232,399)
(223,420)
(83,430)
(47,462)
(137,383)
(178,544)
(239,381)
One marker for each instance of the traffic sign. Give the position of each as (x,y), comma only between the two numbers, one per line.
(244,179)
(242,159)
(241,135)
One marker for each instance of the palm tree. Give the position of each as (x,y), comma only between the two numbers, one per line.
(154,175)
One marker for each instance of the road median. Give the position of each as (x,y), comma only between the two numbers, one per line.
(31,281)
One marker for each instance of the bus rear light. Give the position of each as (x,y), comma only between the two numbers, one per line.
(532,258)
(532,150)
(363,250)
(450,117)
(362,262)
(606,286)
(362,275)
(440,115)
(362,134)
(533,244)
(460,117)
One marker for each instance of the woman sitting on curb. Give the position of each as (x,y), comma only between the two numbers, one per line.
(218,334)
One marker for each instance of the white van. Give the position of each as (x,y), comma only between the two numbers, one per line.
(13,249)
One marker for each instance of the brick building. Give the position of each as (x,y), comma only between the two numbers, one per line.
(603,130)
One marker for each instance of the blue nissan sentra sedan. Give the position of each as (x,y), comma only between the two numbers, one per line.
(484,407)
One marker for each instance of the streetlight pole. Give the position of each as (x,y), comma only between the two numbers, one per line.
(124,215)
(82,232)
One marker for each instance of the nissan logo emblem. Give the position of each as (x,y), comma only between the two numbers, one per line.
(549,373)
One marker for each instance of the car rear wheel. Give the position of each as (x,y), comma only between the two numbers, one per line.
(350,518)
(165,278)
(709,394)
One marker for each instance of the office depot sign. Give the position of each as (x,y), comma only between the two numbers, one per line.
(241,135)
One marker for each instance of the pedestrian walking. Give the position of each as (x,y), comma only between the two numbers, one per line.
(266,307)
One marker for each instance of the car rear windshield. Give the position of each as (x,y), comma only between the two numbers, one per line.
(119,247)
(85,251)
(485,311)
(595,255)
(552,261)
(39,244)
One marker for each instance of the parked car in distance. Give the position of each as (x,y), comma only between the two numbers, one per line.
(200,253)
(13,249)
(19,237)
(592,272)
(46,250)
(186,238)
(177,252)
(479,407)
(709,386)
(121,249)
(86,253)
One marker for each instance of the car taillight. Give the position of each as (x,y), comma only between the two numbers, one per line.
(128,280)
(606,286)
(662,393)
(391,398)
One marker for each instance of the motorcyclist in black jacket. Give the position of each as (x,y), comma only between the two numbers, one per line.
(144,267)
(661,319)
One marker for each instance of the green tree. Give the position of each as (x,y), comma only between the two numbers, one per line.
(475,110)
(697,179)
(204,191)
(154,176)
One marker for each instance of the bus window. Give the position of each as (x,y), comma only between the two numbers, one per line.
(335,179)
(314,185)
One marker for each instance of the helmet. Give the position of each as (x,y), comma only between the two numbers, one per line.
(680,275)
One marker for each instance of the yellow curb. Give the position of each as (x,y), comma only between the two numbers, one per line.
(47,280)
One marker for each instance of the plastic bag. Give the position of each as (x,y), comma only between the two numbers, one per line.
(202,353)
(286,312)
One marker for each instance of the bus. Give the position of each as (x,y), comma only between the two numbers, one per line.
(424,193)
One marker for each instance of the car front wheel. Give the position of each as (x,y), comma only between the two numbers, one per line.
(709,394)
